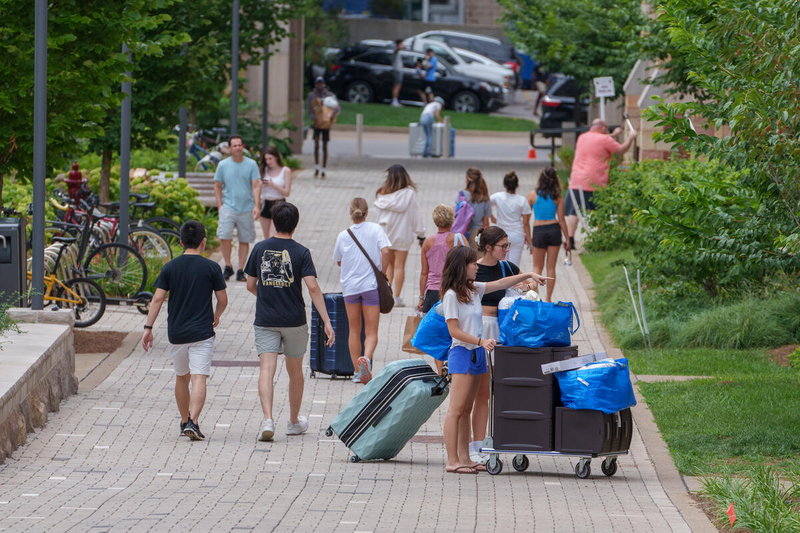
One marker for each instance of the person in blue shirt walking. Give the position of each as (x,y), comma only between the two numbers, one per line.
(431,62)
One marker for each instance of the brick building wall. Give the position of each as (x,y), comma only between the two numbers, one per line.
(485,12)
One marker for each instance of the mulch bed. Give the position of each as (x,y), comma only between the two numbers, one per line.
(98,341)
(781,355)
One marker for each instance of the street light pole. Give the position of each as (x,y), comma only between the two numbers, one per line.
(125,155)
(182,143)
(39,152)
(235,69)
(265,101)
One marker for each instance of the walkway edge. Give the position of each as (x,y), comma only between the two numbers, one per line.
(667,472)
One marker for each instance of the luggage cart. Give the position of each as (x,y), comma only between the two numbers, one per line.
(583,469)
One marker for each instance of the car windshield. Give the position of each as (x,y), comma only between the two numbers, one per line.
(378,58)
(568,88)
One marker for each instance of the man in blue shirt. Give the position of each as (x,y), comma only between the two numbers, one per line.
(237,189)
(430,74)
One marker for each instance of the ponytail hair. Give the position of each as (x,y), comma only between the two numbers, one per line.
(358,210)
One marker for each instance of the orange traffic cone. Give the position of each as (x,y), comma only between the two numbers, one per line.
(532,153)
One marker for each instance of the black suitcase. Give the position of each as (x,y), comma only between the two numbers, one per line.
(592,432)
(335,360)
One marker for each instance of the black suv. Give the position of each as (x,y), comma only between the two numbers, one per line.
(363,74)
(558,104)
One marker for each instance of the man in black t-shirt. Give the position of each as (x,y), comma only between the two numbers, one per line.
(274,272)
(190,279)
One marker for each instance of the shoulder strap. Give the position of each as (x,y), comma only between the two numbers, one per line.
(503,268)
(459,240)
(352,235)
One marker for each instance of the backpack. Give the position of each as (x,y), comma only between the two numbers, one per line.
(464,214)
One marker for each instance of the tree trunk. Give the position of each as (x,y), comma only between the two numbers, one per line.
(193,115)
(1,190)
(105,176)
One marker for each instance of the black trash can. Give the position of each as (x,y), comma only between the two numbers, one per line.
(13,262)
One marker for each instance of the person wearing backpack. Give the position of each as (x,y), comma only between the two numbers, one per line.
(476,195)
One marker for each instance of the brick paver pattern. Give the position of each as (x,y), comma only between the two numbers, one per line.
(111,459)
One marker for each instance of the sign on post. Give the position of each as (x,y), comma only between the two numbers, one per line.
(603,88)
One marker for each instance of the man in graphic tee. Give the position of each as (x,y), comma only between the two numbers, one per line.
(275,270)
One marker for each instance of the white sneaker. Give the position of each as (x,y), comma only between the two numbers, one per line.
(398,302)
(364,370)
(396,104)
(299,428)
(267,430)
(356,377)
(479,458)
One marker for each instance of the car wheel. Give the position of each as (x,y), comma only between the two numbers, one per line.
(466,102)
(359,92)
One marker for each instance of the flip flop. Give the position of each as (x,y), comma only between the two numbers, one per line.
(462,470)
(479,468)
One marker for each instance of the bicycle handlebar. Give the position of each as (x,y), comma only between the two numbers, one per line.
(57,205)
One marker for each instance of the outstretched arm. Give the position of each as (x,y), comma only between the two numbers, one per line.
(508,282)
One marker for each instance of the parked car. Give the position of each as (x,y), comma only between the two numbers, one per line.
(495,74)
(473,57)
(363,74)
(495,49)
(558,104)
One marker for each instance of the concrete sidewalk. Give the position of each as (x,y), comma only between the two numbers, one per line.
(111,459)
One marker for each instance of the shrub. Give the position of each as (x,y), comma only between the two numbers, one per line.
(794,359)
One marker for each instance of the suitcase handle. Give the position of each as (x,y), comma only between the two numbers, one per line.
(380,416)
(441,384)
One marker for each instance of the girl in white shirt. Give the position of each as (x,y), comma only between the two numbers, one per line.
(276,185)
(360,286)
(513,216)
(466,360)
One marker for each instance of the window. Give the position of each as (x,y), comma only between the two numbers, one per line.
(444,54)
(568,88)
(378,58)
(409,60)
(457,42)
(467,59)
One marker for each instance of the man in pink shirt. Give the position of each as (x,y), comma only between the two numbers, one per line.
(593,153)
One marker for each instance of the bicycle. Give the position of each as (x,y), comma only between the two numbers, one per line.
(84,296)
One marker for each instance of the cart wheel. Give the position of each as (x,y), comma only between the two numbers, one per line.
(496,468)
(333,376)
(583,469)
(609,466)
(354,459)
(329,432)
(520,463)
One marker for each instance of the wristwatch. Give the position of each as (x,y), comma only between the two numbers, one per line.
(421,296)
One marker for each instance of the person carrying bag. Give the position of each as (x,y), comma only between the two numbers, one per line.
(385,296)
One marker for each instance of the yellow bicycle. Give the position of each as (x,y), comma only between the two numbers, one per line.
(82,295)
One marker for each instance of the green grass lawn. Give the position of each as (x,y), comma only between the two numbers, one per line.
(386,115)
(746,413)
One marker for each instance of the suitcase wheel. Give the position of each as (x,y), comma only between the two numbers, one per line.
(313,374)
(583,468)
(355,459)
(609,466)
(495,465)
(333,376)
(520,463)
(329,432)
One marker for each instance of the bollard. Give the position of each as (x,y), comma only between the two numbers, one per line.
(359,131)
(446,147)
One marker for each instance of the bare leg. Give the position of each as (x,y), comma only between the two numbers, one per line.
(294,367)
(480,409)
(198,396)
(266,225)
(538,259)
(461,400)
(266,379)
(182,395)
(572,224)
(552,260)
(396,91)
(390,266)
(354,333)
(372,316)
(464,426)
(225,246)
(439,366)
(400,258)
(244,248)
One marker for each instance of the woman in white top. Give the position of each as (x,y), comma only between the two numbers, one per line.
(513,216)
(360,286)
(430,113)
(466,360)
(398,214)
(276,185)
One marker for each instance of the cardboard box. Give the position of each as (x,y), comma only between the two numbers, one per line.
(572,364)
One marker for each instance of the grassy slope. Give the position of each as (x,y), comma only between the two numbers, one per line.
(386,115)
(746,412)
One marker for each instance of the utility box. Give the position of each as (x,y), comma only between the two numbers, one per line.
(13,262)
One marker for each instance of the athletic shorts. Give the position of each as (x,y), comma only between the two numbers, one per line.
(291,342)
(431,297)
(266,208)
(193,357)
(461,360)
(397,77)
(541,87)
(546,235)
(569,209)
(243,222)
(326,134)
(364,298)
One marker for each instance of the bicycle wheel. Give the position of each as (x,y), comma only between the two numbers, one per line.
(118,268)
(151,246)
(92,301)
(163,223)
(173,238)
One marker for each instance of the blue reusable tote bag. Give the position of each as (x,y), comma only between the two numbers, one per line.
(537,324)
(600,386)
(433,336)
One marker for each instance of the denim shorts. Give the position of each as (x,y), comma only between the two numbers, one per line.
(364,298)
(461,360)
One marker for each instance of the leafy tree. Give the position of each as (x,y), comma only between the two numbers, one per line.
(85,68)
(744,56)
(580,38)
(323,29)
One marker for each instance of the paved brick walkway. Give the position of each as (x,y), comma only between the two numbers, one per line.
(111,459)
